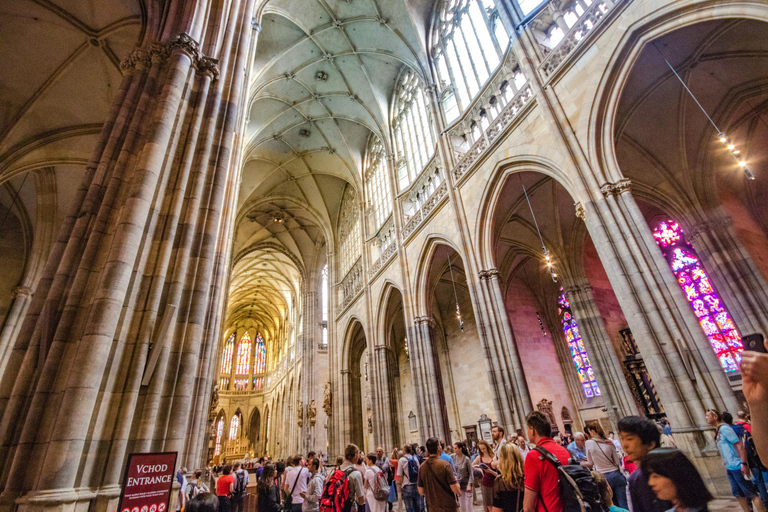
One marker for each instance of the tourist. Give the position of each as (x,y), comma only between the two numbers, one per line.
(295,484)
(437,481)
(497,435)
(604,458)
(268,491)
(203,502)
(446,457)
(463,465)
(225,486)
(542,491)
(576,449)
(407,473)
(743,420)
(355,477)
(756,467)
(181,500)
(606,493)
(382,461)
(260,467)
(196,486)
(616,443)
(373,477)
(638,437)
(508,488)
(734,458)
(395,493)
(314,487)
(241,484)
(484,462)
(675,479)
(522,445)
(280,470)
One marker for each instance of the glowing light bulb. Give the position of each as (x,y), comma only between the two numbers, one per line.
(736,151)
(722,136)
(731,146)
(742,163)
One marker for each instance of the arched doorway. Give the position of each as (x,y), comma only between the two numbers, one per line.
(359,401)
(254,430)
(397,376)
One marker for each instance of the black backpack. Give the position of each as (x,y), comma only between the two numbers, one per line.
(753,459)
(239,483)
(578,490)
(413,469)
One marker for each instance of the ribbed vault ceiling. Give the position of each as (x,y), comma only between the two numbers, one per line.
(324,76)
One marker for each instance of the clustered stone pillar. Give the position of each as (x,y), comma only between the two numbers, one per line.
(508,379)
(427,382)
(680,360)
(602,354)
(740,283)
(307,392)
(385,428)
(146,240)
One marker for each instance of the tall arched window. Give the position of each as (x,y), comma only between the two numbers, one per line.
(576,346)
(324,305)
(243,354)
(219,432)
(376,182)
(234,427)
(261,355)
(226,356)
(704,300)
(470,41)
(414,136)
(349,232)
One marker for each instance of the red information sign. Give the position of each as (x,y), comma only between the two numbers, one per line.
(148,482)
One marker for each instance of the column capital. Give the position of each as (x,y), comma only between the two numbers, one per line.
(186,44)
(718,221)
(139,57)
(24,292)
(487,274)
(208,66)
(419,320)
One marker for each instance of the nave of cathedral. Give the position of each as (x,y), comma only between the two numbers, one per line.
(237,228)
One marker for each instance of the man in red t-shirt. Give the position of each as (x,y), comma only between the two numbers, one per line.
(542,491)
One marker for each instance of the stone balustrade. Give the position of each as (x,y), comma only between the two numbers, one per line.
(426,208)
(351,285)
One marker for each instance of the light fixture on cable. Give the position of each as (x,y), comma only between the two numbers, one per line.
(455,296)
(722,137)
(547,258)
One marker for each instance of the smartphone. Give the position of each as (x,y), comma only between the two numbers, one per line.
(754,342)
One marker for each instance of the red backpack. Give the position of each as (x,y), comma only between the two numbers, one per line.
(336,496)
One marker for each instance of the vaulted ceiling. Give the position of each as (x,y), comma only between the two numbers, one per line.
(664,142)
(324,74)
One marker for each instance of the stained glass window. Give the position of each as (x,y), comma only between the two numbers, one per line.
(226,357)
(261,355)
(704,300)
(234,427)
(243,354)
(223,383)
(576,346)
(258,383)
(241,384)
(219,431)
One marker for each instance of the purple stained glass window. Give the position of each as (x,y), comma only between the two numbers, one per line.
(706,304)
(261,354)
(576,346)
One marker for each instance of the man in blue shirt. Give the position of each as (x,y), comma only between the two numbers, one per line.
(576,449)
(447,458)
(735,461)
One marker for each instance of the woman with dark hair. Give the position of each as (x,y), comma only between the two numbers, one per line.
(267,491)
(203,502)
(225,486)
(674,478)
(463,465)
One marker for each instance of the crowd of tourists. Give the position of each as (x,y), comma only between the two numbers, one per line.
(641,470)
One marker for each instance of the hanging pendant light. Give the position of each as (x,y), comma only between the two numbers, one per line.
(547,259)
(455,296)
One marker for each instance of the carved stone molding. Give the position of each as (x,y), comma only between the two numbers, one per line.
(184,43)
(580,212)
(159,53)
(138,57)
(616,188)
(208,66)
(419,320)
(717,223)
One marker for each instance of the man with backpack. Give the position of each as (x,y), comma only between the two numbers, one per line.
(344,491)
(241,483)
(542,488)
(407,475)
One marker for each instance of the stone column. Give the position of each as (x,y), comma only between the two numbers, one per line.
(678,355)
(508,377)
(143,243)
(605,362)
(428,382)
(22,296)
(308,350)
(734,274)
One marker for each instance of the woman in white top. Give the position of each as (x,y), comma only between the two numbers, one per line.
(371,474)
(602,455)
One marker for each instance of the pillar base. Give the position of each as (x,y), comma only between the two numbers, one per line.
(53,500)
